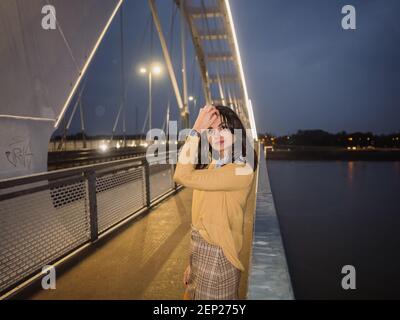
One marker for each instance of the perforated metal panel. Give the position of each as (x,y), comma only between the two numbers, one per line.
(119,195)
(160,179)
(40,227)
(41,222)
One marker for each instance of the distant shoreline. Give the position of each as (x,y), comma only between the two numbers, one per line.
(332,153)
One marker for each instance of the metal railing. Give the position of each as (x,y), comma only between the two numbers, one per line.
(45,217)
(269,277)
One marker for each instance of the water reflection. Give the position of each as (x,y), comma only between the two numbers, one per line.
(339,213)
(350,170)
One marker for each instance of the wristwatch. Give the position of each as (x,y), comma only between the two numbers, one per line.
(194,133)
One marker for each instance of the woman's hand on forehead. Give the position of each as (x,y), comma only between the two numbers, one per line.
(216,123)
(209,116)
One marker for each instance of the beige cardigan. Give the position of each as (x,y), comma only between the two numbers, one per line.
(219,199)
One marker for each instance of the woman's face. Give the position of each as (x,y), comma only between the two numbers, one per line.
(219,136)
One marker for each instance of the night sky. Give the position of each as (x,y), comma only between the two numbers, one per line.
(303,70)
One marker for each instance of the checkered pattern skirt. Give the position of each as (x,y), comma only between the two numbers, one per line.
(212,276)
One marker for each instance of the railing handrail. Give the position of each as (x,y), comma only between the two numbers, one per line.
(63,173)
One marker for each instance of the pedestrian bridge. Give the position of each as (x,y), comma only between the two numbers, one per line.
(120,230)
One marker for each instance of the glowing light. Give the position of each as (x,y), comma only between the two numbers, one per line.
(252,121)
(103,147)
(240,66)
(191,98)
(86,65)
(156,70)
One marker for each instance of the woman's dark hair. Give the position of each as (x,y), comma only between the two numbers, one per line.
(231,121)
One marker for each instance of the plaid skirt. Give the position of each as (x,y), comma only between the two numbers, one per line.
(212,275)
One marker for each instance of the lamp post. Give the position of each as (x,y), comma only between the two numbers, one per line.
(153,69)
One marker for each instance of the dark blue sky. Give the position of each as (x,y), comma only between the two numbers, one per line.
(303,70)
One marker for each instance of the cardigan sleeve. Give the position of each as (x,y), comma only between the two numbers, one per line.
(233,176)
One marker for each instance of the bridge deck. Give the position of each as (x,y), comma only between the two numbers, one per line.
(144,259)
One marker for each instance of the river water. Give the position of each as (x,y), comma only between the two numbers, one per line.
(337,213)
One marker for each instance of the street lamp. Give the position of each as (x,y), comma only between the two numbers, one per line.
(152,69)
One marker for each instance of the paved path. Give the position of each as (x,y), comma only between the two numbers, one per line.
(145,259)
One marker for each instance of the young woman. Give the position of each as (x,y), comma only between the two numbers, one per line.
(221,187)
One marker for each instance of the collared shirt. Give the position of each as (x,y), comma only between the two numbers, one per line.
(227,159)
(221,162)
